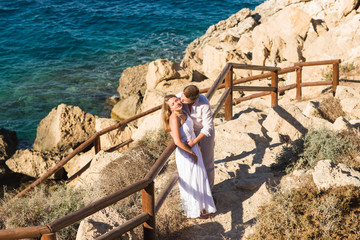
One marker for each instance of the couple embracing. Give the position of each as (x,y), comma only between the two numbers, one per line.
(187,116)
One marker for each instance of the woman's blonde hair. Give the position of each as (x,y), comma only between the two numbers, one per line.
(166,112)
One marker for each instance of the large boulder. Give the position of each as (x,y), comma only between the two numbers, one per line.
(208,54)
(8,143)
(327,174)
(349,100)
(92,176)
(34,164)
(126,107)
(114,137)
(289,120)
(163,70)
(340,42)
(133,81)
(280,38)
(63,128)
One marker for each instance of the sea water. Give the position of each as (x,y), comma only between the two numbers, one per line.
(74,51)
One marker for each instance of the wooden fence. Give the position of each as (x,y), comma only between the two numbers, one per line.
(150,204)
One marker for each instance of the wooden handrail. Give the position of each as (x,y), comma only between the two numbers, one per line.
(24,232)
(125,227)
(317,63)
(98,205)
(221,101)
(255,67)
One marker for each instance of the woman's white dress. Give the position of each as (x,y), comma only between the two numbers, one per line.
(195,192)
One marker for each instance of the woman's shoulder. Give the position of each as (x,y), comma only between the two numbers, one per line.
(173,117)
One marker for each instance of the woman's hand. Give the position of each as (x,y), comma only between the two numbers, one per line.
(194,157)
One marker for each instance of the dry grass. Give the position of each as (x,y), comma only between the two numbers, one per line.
(40,207)
(330,109)
(309,213)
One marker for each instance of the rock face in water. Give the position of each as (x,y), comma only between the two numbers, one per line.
(8,142)
(63,128)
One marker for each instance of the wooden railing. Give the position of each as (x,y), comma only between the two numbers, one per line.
(150,206)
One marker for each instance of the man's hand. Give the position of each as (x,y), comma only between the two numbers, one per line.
(194,157)
(191,142)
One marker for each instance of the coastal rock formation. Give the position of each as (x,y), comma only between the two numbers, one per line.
(276,33)
(279,33)
(8,143)
(63,128)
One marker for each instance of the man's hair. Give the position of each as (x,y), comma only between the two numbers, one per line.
(191,92)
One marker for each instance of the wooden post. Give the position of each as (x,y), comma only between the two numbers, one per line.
(49,236)
(148,206)
(335,77)
(274,83)
(228,101)
(298,83)
(97,144)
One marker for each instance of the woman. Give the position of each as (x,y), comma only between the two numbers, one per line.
(195,192)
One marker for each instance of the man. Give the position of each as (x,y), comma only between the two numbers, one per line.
(199,109)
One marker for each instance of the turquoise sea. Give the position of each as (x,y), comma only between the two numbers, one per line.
(73,51)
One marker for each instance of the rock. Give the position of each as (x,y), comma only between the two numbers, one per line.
(340,42)
(127,107)
(34,164)
(133,81)
(252,204)
(63,128)
(163,70)
(342,124)
(291,24)
(150,122)
(346,6)
(78,162)
(114,137)
(100,223)
(8,143)
(311,110)
(295,180)
(327,174)
(92,175)
(349,100)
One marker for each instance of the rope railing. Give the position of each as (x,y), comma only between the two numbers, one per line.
(146,185)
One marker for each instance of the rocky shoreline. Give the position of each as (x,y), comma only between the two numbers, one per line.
(276,33)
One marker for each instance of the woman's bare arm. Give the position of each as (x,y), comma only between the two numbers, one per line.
(174,123)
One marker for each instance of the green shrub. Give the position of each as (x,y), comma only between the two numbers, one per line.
(308,213)
(346,67)
(40,207)
(327,76)
(340,147)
